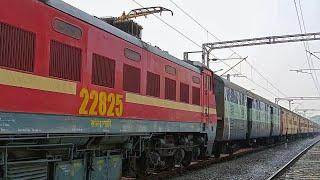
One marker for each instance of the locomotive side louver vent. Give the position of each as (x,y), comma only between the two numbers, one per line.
(17,48)
(195,95)
(131,78)
(153,84)
(65,61)
(170,89)
(28,171)
(103,71)
(184,93)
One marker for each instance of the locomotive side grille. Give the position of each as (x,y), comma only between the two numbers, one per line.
(195,95)
(17,48)
(65,61)
(103,71)
(153,84)
(170,89)
(184,93)
(37,171)
(131,78)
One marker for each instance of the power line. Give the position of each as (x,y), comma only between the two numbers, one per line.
(307,44)
(193,19)
(182,34)
(314,76)
(312,54)
(175,29)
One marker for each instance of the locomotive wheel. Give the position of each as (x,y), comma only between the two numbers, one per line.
(149,161)
(179,156)
(187,159)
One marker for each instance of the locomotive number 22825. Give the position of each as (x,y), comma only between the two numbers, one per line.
(102,103)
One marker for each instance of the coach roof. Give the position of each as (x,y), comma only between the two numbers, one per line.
(246,92)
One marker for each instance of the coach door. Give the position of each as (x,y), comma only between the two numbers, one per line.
(207,97)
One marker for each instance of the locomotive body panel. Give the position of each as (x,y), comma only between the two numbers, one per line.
(49,91)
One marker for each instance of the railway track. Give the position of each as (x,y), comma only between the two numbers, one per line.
(205,163)
(305,165)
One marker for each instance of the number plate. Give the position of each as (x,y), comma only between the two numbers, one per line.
(101,103)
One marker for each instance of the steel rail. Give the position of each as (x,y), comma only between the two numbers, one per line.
(284,168)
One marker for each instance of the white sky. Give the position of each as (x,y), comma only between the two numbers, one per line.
(229,20)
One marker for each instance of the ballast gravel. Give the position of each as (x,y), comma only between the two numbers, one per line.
(258,165)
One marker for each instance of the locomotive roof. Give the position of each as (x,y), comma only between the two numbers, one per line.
(245,91)
(66,8)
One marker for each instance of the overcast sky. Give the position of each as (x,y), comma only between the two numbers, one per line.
(230,20)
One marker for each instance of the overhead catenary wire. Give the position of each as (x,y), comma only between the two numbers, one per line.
(214,36)
(172,27)
(307,48)
(195,43)
(302,28)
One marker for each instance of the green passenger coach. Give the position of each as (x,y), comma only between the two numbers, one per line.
(243,117)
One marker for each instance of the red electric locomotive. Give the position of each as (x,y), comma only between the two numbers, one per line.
(78,94)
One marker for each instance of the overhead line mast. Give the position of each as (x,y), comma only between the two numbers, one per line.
(207,48)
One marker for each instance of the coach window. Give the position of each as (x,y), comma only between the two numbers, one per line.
(131,78)
(170,89)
